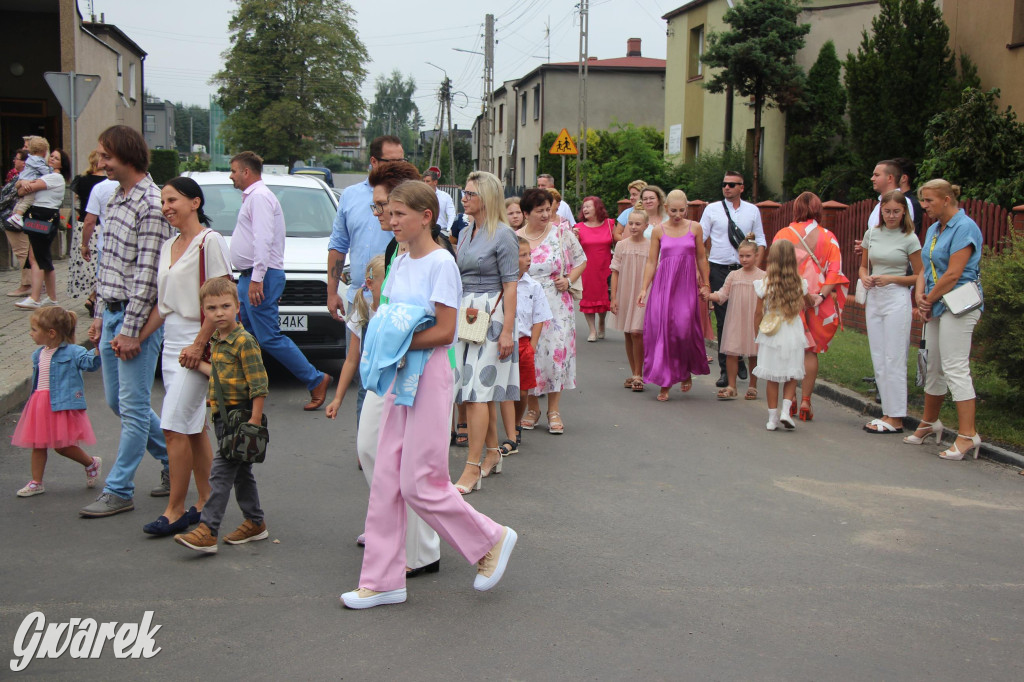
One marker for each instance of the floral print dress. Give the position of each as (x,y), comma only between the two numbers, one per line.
(555,354)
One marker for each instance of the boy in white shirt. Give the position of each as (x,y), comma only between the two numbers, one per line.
(532,311)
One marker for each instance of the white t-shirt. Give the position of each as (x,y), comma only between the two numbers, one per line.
(531,305)
(446,210)
(53,195)
(716,226)
(565,213)
(100,197)
(178,286)
(424,281)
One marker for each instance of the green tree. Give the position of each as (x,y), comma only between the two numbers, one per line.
(901,76)
(191,121)
(816,126)
(757,58)
(394,112)
(291,77)
(979,148)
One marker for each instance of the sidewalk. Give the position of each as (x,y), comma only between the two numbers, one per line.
(16,360)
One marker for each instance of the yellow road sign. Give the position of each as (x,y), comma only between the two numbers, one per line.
(564,144)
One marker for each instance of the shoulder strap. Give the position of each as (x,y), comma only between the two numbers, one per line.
(202,269)
(219,393)
(808,249)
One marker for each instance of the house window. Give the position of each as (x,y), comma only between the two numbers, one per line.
(120,75)
(696,51)
(131,83)
(536,102)
(1017,39)
(536,167)
(522,169)
(501,118)
(499,166)
(522,109)
(150,123)
(692,149)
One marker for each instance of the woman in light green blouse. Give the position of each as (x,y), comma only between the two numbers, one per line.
(888,249)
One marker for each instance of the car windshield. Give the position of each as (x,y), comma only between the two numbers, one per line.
(308,211)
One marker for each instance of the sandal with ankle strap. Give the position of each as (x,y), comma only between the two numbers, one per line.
(529,419)
(495,468)
(464,490)
(507,448)
(555,424)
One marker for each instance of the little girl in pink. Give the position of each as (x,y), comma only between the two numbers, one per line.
(628,265)
(738,333)
(54,416)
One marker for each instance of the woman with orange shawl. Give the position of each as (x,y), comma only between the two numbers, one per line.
(820,263)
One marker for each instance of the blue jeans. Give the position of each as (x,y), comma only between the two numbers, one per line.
(262,322)
(128,385)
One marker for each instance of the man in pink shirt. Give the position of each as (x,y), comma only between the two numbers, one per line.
(257,250)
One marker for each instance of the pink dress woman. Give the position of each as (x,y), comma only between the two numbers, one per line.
(597,245)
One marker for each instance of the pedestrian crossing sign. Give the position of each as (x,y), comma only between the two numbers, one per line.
(564,144)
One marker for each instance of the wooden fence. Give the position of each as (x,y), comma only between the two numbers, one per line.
(849,222)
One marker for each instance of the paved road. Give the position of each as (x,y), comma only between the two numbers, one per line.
(676,541)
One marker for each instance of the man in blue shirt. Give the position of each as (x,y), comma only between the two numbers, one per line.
(357,232)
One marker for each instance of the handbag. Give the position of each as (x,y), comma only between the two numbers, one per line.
(771,322)
(473,322)
(961,300)
(861,295)
(922,364)
(238,440)
(736,235)
(40,227)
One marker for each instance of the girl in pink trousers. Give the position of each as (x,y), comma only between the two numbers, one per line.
(412,450)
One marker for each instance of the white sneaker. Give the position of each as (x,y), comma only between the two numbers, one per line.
(16,219)
(28,303)
(47,301)
(364,598)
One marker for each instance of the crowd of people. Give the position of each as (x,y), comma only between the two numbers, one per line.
(455,323)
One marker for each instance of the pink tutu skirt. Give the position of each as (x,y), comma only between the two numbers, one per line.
(41,427)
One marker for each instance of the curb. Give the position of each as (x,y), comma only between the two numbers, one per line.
(14,397)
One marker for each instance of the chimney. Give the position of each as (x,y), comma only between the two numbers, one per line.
(633,47)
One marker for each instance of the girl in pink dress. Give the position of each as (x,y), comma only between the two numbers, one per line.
(738,334)
(597,234)
(627,277)
(54,416)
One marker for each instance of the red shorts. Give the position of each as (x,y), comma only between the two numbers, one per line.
(527,371)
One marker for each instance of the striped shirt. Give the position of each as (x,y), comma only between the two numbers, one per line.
(43,383)
(239,366)
(133,232)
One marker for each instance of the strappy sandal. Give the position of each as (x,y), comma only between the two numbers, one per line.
(727,393)
(628,383)
(555,424)
(461,439)
(529,419)
(464,490)
(663,395)
(751,394)
(507,448)
(638,385)
(495,468)
(519,436)
(686,385)
(806,413)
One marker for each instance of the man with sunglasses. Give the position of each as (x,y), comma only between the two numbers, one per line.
(735,216)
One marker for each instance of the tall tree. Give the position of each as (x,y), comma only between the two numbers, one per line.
(291,77)
(757,57)
(394,112)
(191,122)
(902,75)
(815,124)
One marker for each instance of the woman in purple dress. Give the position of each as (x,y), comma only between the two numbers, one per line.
(675,281)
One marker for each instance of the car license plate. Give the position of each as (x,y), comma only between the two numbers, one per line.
(293,323)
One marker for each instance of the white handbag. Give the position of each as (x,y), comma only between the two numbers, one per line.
(963,299)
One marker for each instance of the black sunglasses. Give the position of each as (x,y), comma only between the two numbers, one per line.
(732,184)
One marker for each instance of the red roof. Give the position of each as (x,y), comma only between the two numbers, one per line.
(619,63)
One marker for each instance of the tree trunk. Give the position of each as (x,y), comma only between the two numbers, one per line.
(758,105)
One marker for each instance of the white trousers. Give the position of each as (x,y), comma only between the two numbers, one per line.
(948,340)
(422,545)
(888,315)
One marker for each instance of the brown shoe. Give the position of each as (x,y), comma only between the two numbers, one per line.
(249,531)
(319,394)
(201,539)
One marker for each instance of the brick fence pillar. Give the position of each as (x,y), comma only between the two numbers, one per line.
(769,216)
(830,212)
(623,204)
(695,210)
(1017,216)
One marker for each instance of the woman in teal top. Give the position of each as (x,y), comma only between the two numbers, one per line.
(952,258)
(888,249)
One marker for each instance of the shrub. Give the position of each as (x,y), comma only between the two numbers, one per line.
(163,165)
(1000,333)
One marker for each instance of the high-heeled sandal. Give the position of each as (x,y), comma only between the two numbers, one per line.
(954,452)
(495,468)
(935,428)
(529,419)
(464,490)
(806,414)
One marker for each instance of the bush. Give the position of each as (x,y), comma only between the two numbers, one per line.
(1000,334)
(163,165)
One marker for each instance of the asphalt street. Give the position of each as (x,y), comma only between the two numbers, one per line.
(676,541)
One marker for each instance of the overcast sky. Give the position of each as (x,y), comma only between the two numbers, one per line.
(185,40)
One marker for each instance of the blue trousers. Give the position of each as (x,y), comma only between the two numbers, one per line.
(262,322)
(128,385)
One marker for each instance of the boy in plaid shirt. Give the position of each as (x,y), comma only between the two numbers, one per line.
(243,381)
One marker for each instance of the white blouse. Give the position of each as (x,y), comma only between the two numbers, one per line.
(178,285)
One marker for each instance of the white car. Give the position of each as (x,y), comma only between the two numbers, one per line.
(309,208)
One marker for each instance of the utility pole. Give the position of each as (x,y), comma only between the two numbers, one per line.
(581,181)
(488,122)
(447,88)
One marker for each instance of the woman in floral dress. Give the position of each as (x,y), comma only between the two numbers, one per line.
(557,261)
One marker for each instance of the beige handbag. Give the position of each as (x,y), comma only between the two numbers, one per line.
(473,322)
(771,322)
